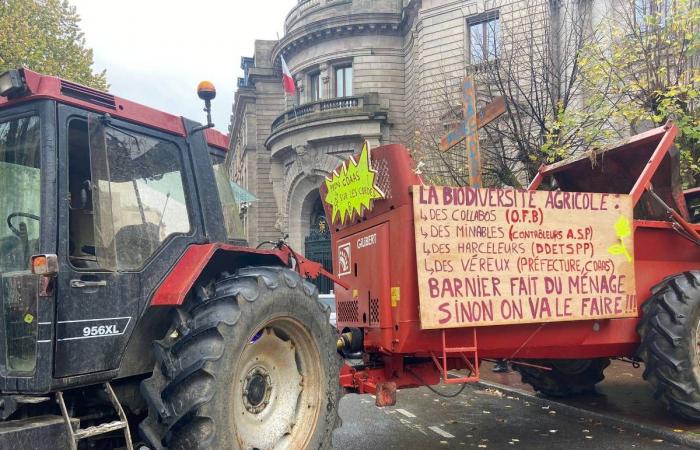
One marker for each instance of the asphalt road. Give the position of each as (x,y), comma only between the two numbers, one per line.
(477,418)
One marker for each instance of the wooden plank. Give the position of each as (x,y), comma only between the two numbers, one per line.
(488,114)
(500,257)
(471,138)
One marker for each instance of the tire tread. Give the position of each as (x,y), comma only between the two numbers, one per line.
(666,343)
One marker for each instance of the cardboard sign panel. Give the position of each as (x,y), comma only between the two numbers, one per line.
(499,257)
(352,188)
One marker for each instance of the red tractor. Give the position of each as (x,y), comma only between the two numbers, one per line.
(380,315)
(129,302)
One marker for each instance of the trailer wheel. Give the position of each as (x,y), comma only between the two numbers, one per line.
(670,341)
(251,363)
(567,378)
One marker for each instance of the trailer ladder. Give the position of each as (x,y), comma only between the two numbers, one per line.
(462,352)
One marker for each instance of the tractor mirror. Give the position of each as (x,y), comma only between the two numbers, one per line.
(45,265)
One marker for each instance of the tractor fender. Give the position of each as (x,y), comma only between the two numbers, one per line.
(201,259)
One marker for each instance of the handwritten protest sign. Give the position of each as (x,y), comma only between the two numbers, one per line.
(498,257)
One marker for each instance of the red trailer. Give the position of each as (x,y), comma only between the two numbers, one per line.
(379,316)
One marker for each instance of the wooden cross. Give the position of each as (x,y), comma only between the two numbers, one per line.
(467,130)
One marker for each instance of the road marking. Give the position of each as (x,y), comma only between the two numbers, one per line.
(406,413)
(441,432)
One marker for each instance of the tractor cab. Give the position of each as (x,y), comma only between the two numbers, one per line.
(120,245)
(99,197)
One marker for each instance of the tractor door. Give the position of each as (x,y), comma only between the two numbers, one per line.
(125,220)
(27,227)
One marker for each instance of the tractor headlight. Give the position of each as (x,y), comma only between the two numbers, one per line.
(11,84)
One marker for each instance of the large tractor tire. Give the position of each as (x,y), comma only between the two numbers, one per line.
(669,343)
(250,363)
(567,377)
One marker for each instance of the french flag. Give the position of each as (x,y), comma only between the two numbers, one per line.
(287,80)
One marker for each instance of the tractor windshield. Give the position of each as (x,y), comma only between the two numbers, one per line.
(20,189)
(138,195)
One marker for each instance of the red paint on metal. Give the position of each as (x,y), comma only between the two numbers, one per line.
(367,380)
(661,150)
(535,183)
(308,268)
(48,87)
(179,281)
(472,364)
(181,278)
(216,138)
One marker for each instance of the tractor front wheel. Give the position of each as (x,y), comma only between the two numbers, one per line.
(567,377)
(670,344)
(250,363)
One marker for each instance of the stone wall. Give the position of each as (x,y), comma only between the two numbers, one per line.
(256,107)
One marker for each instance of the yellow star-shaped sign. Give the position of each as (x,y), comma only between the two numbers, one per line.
(352,187)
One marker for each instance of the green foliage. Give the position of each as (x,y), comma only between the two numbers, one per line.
(45,36)
(638,73)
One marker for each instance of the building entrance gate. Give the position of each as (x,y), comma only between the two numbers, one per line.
(317,247)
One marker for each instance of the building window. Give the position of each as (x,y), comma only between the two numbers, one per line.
(484,38)
(315,87)
(343,81)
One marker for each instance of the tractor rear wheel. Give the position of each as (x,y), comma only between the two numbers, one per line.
(567,377)
(251,363)
(670,342)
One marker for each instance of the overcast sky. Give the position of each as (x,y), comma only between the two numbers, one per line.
(156,51)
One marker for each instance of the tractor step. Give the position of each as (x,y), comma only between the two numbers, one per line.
(96,430)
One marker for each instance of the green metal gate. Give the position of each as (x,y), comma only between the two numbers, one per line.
(317,247)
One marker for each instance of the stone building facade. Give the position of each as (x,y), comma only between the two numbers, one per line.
(375,70)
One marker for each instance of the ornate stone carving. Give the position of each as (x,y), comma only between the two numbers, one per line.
(281,223)
(324,73)
(306,158)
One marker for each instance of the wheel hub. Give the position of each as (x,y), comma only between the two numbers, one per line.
(278,386)
(256,390)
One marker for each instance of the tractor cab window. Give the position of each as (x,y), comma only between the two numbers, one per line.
(229,205)
(81,223)
(127,196)
(20,188)
(20,209)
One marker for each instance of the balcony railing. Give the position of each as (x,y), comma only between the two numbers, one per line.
(330,107)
